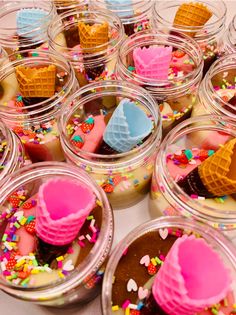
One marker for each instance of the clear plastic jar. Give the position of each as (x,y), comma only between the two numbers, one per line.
(176,96)
(230,38)
(11,152)
(133,266)
(64,5)
(218,89)
(83,283)
(198,135)
(124,176)
(134,14)
(29,32)
(31,100)
(97,58)
(208,36)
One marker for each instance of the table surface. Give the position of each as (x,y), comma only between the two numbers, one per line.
(138,213)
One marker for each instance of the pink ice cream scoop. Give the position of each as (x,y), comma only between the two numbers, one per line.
(192,278)
(63,206)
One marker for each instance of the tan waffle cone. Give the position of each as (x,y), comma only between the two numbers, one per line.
(91,37)
(218,172)
(192,14)
(36,82)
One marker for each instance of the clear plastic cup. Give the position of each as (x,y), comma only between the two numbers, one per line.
(134,14)
(21,33)
(130,257)
(177,95)
(31,101)
(217,90)
(55,288)
(199,136)
(96,60)
(124,176)
(11,152)
(209,36)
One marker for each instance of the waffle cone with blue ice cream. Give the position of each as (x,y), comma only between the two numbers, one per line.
(127,127)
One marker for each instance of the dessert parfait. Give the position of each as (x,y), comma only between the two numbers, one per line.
(34,84)
(171,266)
(230,38)
(56,232)
(134,14)
(89,40)
(112,130)
(11,152)
(217,94)
(202,20)
(23,24)
(167,66)
(195,173)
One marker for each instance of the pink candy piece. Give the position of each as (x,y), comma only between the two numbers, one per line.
(182,64)
(153,62)
(93,139)
(63,206)
(192,278)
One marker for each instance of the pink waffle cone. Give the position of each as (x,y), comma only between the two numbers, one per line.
(152,62)
(63,206)
(192,278)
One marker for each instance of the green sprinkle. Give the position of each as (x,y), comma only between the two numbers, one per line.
(25,282)
(4,238)
(35,54)
(90,217)
(35,263)
(17,225)
(160,262)
(131,68)
(211,152)
(188,154)
(19,98)
(214,311)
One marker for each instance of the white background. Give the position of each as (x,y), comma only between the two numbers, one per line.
(136,214)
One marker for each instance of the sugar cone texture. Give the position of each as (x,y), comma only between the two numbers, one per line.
(36,82)
(218,172)
(93,36)
(192,14)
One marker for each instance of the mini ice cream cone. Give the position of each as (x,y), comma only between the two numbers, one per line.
(218,172)
(192,14)
(36,82)
(63,206)
(216,176)
(186,283)
(127,127)
(153,62)
(93,38)
(58,220)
